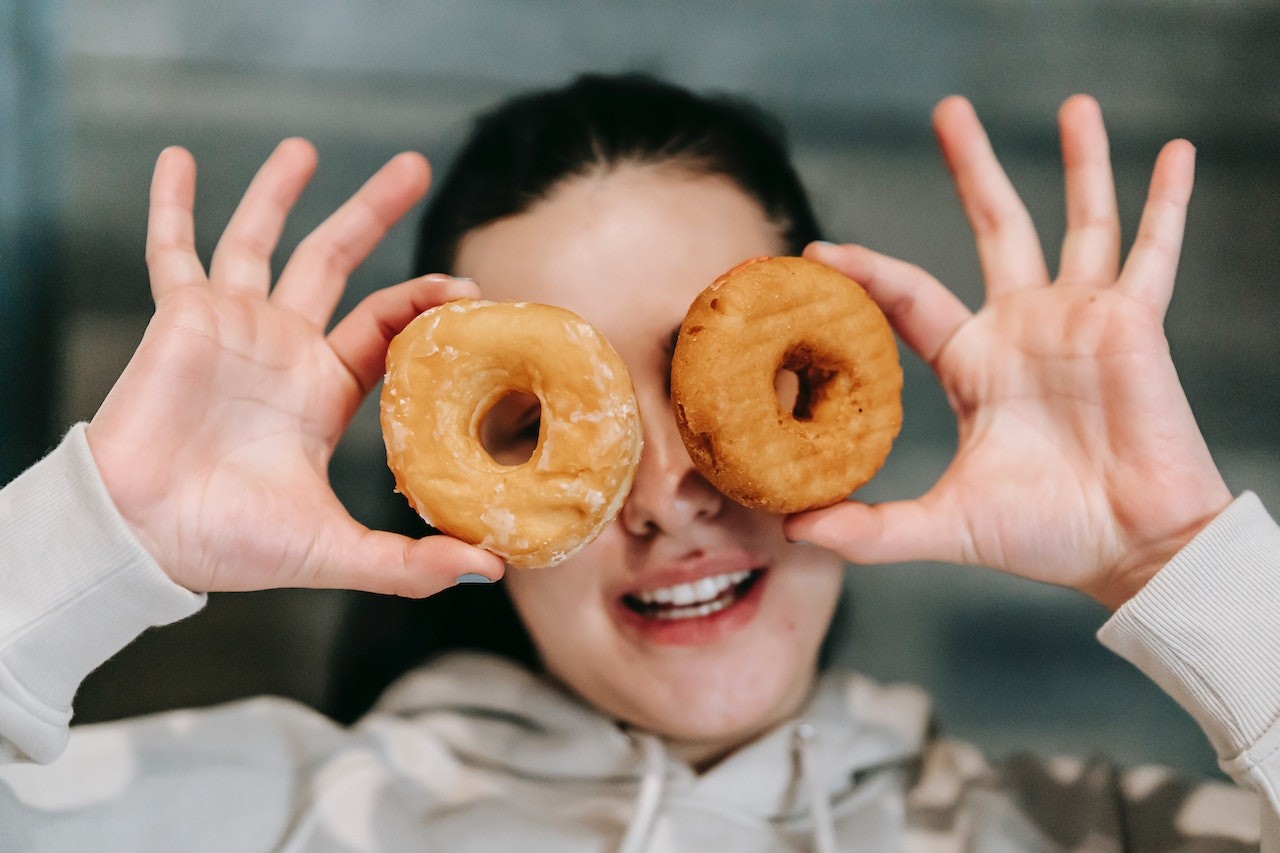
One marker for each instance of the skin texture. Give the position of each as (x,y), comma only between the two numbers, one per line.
(1079,462)
(628,250)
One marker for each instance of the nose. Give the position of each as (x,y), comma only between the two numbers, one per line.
(668,494)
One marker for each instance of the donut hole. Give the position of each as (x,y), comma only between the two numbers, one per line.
(786,385)
(802,381)
(510,429)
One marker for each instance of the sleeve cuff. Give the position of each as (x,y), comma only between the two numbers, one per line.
(1206,630)
(79,587)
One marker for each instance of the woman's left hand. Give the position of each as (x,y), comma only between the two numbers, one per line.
(1079,461)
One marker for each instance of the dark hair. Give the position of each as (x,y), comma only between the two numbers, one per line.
(521,151)
(516,155)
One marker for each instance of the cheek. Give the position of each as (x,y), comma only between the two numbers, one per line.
(808,586)
(562,602)
(539,595)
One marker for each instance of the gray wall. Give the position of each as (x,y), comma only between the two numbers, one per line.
(1013,665)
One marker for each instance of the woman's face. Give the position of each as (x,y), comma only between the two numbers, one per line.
(690,616)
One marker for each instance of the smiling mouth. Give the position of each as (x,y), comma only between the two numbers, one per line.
(692,600)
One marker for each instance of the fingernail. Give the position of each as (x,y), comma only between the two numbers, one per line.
(471,577)
(441,276)
(823,243)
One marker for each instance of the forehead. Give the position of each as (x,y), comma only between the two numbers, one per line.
(627,249)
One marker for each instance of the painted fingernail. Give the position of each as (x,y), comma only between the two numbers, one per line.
(471,577)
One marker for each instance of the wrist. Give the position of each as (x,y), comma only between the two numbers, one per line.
(78,588)
(1136,569)
(1129,578)
(1204,627)
(117,493)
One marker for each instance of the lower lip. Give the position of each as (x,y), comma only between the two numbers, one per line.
(697,630)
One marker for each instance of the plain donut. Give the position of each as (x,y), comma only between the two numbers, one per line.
(786,314)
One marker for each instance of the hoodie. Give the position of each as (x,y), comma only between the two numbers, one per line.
(474,753)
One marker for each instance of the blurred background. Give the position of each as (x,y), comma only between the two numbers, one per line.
(91,91)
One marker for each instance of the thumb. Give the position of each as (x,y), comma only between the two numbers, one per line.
(391,564)
(893,532)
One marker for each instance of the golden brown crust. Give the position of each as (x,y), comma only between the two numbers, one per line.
(445,371)
(773,314)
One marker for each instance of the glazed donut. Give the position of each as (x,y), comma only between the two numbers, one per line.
(757,322)
(448,369)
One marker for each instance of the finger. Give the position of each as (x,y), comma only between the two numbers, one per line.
(1008,247)
(358,558)
(242,258)
(171,243)
(314,278)
(894,532)
(1091,247)
(1152,264)
(922,311)
(360,339)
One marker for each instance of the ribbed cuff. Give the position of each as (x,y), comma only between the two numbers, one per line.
(1206,628)
(78,588)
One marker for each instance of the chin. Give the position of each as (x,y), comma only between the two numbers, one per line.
(727,705)
(729,675)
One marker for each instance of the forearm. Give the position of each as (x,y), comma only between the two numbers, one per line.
(1205,629)
(77,588)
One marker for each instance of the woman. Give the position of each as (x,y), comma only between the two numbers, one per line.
(1079,464)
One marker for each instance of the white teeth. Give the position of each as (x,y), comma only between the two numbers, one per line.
(708,588)
(690,612)
(696,595)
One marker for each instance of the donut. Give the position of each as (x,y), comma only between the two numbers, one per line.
(765,321)
(446,372)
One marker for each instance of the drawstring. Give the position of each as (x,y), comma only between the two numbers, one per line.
(650,797)
(654,780)
(824,830)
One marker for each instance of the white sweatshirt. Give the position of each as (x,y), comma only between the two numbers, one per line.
(473,753)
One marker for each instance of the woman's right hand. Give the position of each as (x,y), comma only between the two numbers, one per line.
(215,442)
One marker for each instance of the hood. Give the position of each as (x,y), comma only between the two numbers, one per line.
(495,714)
